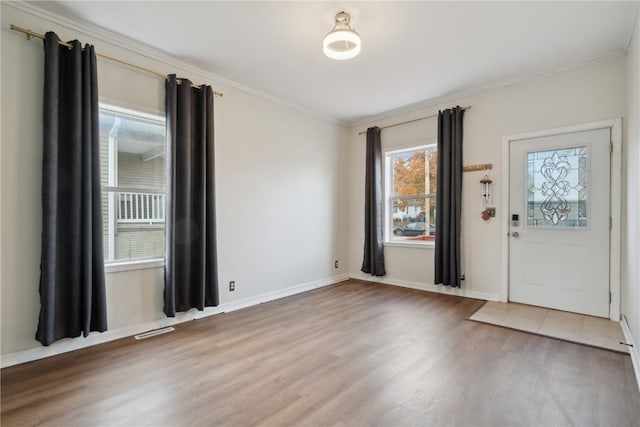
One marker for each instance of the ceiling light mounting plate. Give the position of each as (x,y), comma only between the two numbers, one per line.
(342,42)
(343,18)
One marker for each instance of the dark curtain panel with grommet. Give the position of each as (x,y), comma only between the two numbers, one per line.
(449,198)
(373,259)
(72,281)
(191,271)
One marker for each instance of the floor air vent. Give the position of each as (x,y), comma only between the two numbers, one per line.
(154,333)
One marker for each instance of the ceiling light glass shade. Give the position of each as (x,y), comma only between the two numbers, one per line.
(342,42)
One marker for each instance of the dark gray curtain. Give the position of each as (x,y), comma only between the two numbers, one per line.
(373,260)
(72,283)
(449,197)
(191,272)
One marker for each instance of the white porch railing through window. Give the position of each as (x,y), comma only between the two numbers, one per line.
(141,208)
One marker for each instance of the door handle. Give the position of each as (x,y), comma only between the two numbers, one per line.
(515,234)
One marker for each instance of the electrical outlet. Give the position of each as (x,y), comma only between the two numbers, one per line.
(335,264)
(232,286)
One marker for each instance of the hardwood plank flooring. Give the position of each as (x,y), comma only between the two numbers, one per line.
(355,353)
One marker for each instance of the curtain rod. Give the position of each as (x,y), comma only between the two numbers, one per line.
(30,34)
(468,107)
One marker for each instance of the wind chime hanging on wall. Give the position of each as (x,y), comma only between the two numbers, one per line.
(486,187)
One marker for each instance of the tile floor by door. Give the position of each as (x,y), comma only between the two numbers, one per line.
(594,331)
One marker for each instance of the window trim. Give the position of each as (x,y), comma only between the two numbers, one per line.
(388,186)
(132,113)
(129,265)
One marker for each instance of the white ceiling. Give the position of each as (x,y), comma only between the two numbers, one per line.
(412,52)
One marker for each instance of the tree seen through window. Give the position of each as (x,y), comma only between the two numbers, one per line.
(412,196)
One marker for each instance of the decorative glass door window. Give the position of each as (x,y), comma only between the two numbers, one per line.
(557,188)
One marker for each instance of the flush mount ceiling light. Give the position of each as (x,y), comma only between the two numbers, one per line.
(342,42)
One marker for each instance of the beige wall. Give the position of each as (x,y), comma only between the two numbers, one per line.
(289,185)
(279,188)
(586,94)
(631,191)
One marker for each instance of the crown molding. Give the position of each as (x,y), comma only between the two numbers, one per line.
(632,22)
(457,96)
(155,54)
(141,49)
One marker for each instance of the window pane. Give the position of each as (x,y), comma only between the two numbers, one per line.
(412,194)
(410,172)
(557,188)
(133,168)
(411,218)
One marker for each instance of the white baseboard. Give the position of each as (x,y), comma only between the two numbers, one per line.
(71,344)
(281,293)
(441,289)
(633,350)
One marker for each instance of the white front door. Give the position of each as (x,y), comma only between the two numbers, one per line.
(559,206)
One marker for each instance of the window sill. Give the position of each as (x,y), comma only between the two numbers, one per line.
(116,267)
(132,226)
(410,244)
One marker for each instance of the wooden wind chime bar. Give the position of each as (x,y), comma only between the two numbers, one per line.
(480,167)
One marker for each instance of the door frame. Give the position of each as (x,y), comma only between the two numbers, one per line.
(615,125)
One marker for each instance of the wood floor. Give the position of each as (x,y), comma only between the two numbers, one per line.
(350,354)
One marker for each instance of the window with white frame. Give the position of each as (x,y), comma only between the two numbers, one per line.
(410,194)
(133,171)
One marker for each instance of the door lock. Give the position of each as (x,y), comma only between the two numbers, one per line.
(515,234)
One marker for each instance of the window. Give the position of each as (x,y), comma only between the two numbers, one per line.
(411,194)
(133,170)
(557,184)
